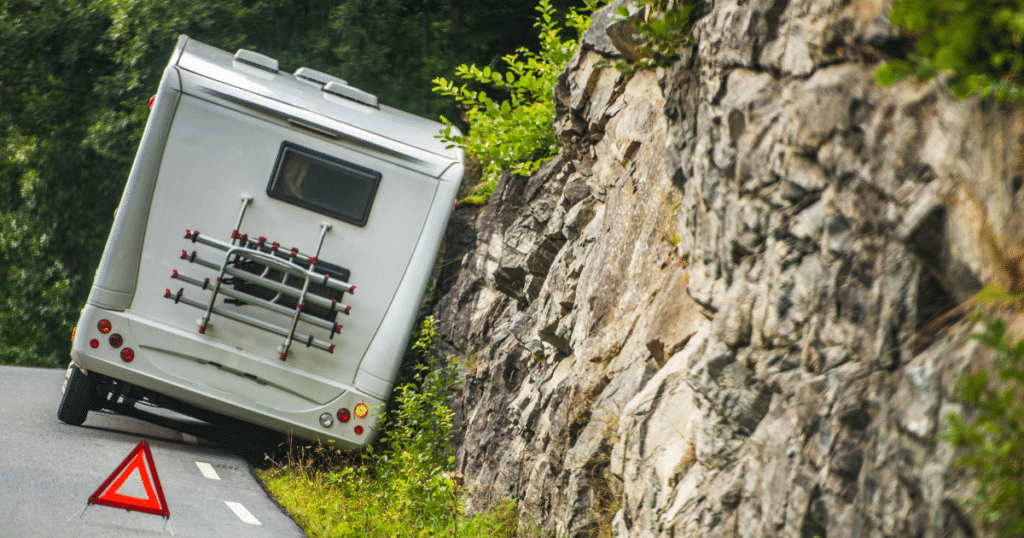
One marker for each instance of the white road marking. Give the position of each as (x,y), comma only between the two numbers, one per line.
(242,513)
(190,439)
(207,470)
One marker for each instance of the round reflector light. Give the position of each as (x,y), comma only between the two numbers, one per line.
(127,354)
(116,340)
(361,410)
(326,420)
(94,343)
(344,415)
(104,326)
(358,430)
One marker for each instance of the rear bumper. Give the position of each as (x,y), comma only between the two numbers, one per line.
(216,381)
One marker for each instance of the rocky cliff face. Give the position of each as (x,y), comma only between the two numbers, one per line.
(732,307)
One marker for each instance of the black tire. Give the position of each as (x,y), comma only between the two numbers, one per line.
(77,399)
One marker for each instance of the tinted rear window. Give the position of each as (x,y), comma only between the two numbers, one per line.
(322,183)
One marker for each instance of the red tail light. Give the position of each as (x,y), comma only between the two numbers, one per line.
(127,354)
(344,415)
(358,430)
(116,340)
(94,343)
(104,326)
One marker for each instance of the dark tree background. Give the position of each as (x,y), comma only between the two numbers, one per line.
(75,77)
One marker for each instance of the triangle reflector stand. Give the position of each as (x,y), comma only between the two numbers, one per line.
(140,461)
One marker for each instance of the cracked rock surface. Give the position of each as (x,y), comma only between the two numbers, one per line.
(733,305)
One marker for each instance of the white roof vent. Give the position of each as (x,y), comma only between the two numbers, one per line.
(256,59)
(319,77)
(348,92)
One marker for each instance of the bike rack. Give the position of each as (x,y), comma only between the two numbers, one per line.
(271,256)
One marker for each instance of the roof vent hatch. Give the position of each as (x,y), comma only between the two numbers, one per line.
(319,77)
(355,94)
(256,59)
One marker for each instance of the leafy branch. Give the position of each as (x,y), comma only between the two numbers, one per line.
(515,133)
(977,43)
(992,442)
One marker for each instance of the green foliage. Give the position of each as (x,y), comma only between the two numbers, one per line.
(662,31)
(516,132)
(977,43)
(47,245)
(992,440)
(403,486)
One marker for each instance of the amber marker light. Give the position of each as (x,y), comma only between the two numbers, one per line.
(361,411)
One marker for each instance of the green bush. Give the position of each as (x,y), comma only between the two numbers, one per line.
(977,43)
(517,132)
(992,442)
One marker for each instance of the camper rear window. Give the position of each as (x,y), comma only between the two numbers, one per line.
(324,184)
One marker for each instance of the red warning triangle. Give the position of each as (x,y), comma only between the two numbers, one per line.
(140,459)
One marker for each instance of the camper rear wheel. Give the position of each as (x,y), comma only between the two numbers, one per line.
(78,397)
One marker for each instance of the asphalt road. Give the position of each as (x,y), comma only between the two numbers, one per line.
(49,469)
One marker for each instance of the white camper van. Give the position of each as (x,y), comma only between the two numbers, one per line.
(270,252)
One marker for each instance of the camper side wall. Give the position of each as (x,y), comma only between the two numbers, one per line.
(377,376)
(116,277)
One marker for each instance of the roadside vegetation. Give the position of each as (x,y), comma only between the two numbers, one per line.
(401,486)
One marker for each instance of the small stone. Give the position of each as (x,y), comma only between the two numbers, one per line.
(576,189)
(808,223)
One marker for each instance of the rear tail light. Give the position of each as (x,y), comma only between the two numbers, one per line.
(358,430)
(104,326)
(344,415)
(94,343)
(116,340)
(127,354)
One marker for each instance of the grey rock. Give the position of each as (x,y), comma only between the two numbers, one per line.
(596,37)
(623,38)
(723,311)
